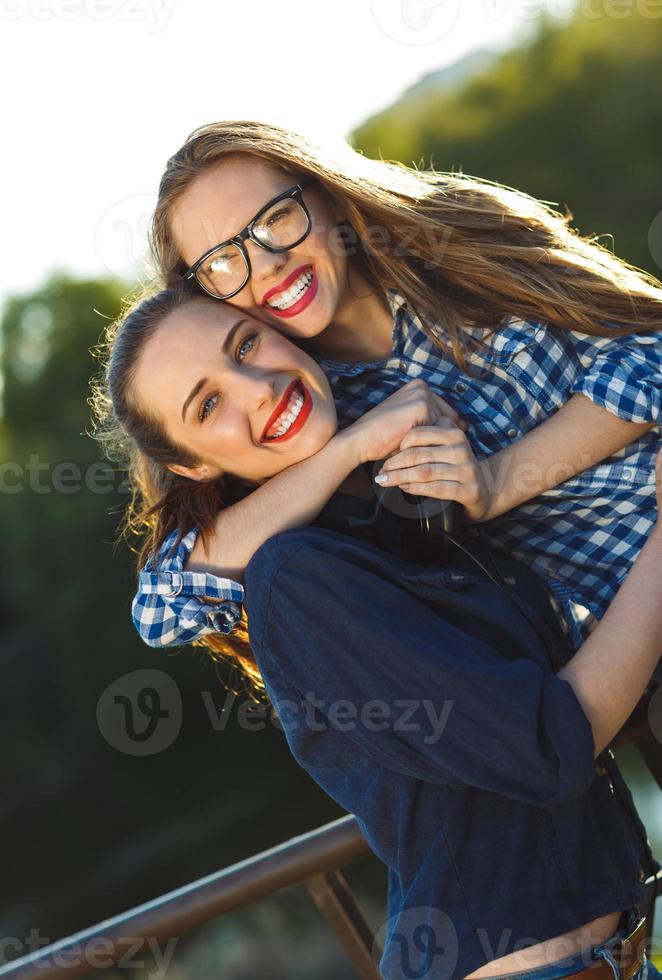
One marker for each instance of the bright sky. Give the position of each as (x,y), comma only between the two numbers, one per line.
(98,93)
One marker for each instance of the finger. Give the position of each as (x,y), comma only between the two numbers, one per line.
(425,473)
(439,489)
(457,456)
(441,434)
(449,412)
(444,490)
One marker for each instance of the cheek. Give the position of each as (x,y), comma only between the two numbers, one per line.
(326,245)
(231,444)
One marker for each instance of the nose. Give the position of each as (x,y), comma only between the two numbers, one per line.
(265,264)
(255,390)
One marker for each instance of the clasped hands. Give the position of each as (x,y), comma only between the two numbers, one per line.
(438,461)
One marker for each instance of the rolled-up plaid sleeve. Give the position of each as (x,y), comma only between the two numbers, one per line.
(172,606)
(623,374)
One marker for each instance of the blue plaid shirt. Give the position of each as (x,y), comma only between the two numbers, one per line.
(581,536)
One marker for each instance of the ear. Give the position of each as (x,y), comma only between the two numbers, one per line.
(201,472)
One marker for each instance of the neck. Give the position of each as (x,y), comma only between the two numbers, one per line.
(362,327)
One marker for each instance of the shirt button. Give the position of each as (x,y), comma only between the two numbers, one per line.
(177,584)
(600,769)
(642,874)
(460,387)
(512,432)
(509,579)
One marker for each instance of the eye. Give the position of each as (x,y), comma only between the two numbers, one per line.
(247,340)
(205,409)
(276,216)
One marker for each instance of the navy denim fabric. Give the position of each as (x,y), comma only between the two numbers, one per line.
(424,702)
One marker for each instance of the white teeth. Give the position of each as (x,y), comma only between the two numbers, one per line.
(294,293)
(286,418)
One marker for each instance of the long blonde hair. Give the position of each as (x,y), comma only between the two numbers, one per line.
(462,250)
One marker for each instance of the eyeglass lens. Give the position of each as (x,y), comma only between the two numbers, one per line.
(283,225)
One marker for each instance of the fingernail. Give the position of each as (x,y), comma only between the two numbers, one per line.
(381,478)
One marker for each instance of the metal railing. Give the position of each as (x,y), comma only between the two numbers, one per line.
(312,859)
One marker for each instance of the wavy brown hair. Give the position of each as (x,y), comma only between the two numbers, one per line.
(462,250)
(161,501)
(465,252)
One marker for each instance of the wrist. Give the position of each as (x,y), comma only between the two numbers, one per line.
(347,447)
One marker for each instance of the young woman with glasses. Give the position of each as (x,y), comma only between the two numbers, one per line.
(544,344)
(511,841)
(548,347)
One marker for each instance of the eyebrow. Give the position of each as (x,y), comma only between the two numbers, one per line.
(227,344)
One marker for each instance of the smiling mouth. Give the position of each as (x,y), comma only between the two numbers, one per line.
(299,292)
(290,415)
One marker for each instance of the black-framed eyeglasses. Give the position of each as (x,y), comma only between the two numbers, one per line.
(280,225)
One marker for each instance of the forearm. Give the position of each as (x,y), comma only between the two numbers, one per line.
(609,673)
(292,498)
(577,437)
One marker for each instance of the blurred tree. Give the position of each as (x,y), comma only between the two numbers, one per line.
(573,116)
(104,828)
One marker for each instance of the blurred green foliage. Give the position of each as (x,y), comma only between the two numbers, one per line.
(572,116)
(106,829)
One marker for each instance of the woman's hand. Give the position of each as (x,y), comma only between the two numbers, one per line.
(381,431)
(437,461)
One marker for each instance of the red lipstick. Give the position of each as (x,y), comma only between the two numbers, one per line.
(299,421)
(308,295)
